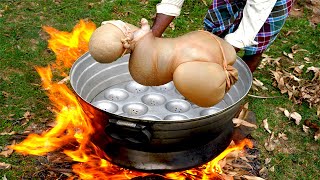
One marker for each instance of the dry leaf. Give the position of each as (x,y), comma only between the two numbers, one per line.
(297,117)
(27,115)
(64,80)
(270,145)
(316,72)
(245,159)
(306,58)
(259,84)
(298,69)
(4,165)
(5,94)
(263,172)
(222,162)
(267,161)
(204,2)
(272,169)
(317,135)
(283,136)
(243,111)
(7,151)
(252,177)
(266,125)
(172,26)
(4,177)
(242,166)
(6,133)
(289,55)
(90,5)
(290,32)
(295,49)
(238,122)
(305,128)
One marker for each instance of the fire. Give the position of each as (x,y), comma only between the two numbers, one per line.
(74,129)
(69,46)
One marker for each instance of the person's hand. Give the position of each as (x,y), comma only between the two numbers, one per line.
(160,24)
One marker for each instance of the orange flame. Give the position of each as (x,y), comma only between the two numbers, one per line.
(74,129)
(69,46)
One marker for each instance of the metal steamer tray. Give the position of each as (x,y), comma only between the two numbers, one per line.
(155,128)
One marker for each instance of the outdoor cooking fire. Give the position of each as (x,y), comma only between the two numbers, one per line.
(74,128)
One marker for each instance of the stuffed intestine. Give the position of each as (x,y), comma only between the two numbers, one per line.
(199,63)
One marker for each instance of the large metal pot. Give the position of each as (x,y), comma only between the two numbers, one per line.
(147,122)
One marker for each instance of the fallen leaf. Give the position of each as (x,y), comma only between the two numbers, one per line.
(5,94)
(289,32)
(4,177)
(270,145)
(305,128)
(266,125)
(283,136)
(172,26)
(51,124)
(7,151)
(238,122)
(272,169)
(242,166)
(90,5)
(289,55)
(295,48)
(263,172)
(296,116)
(316,72)
(259,84)
(64,80)
(267,161)
(6,133)
(252,177)
(298,69)
(245,159)
(4,165)
(27,116)
(243,111)
(317,135)
(222,162)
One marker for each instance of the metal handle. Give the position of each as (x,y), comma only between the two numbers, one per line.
(128,132)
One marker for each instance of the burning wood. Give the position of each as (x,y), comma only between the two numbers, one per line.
(73,131)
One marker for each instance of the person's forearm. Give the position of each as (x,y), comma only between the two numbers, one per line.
(160,24)
(167,10)
(255,14)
